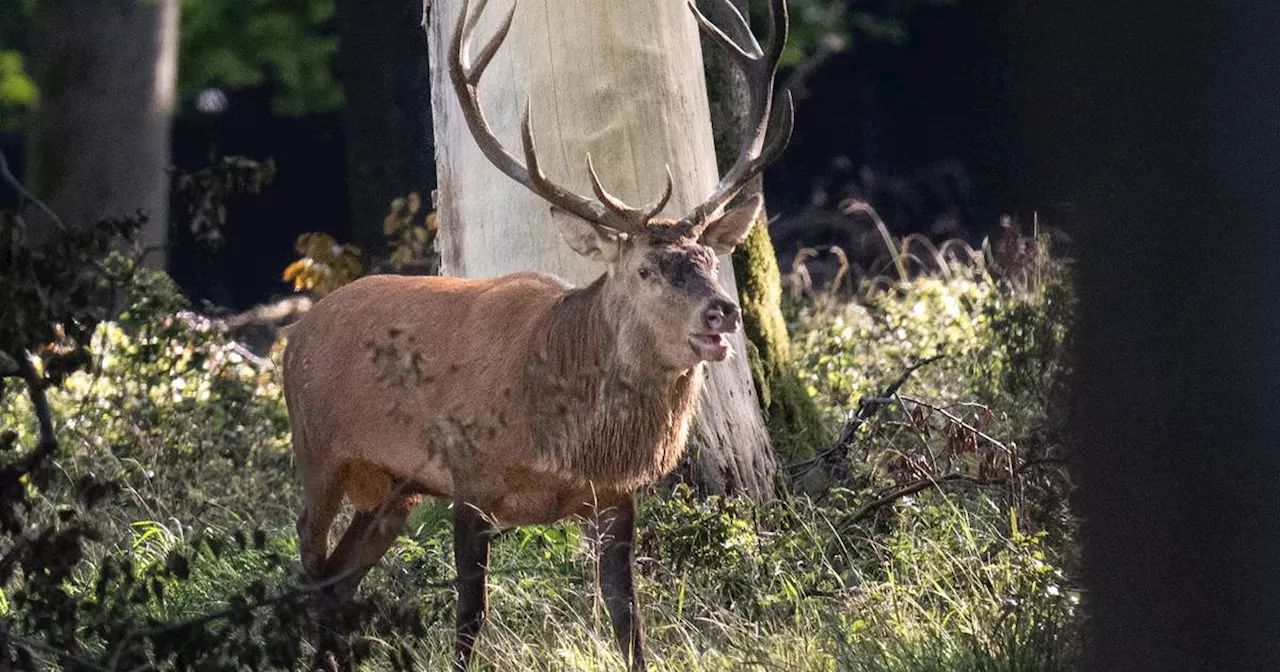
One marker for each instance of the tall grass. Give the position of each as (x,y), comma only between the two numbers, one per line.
(971,573)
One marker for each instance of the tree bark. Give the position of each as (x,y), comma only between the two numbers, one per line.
(387,83)
(1157,122)
(625,82)
(792,417)
(106,71)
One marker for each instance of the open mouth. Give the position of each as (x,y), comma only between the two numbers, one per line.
(710,347)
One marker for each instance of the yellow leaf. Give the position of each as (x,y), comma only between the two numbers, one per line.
(415,202)
(431,221)
(390,225)
(292,271)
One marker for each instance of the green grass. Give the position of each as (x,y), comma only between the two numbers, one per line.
(971,575)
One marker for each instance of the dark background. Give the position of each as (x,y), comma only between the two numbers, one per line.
(926,130)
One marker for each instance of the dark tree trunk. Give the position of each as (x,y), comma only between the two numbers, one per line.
(387,82)
(1158,121)
(793,419)
(106,71)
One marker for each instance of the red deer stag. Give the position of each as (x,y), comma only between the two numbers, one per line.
(518,398)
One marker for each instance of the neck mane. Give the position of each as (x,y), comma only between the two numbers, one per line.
(599,413)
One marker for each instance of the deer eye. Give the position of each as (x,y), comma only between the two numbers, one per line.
(645,274)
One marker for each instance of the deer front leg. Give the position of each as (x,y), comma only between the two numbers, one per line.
(616,527)
(471,537)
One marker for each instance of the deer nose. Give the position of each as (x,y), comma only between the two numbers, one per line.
(722,316)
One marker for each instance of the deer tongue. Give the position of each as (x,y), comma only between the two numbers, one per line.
(711,347)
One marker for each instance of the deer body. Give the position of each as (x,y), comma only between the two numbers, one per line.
(519,399)
(516,384)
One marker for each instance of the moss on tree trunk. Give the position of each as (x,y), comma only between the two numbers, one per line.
(792,417)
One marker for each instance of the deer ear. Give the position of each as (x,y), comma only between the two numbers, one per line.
(730,229)
(590,240)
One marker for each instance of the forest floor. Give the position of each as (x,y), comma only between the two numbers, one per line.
(943,541)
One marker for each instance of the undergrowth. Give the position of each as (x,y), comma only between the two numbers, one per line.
(944,544)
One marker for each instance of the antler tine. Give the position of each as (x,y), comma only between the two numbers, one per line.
(490,47)
(464,85)
(638,216)
(780,27)
(767,130)
(551,191)
(714,32)
(781,124)
(610,212)
(654,208)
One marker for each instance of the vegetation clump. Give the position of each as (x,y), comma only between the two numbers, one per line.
(149,499)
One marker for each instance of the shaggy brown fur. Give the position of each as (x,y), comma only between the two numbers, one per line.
(596,415)
(525,398)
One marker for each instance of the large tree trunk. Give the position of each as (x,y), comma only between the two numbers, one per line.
(387,82)
(1158,123)
(792,417)
(625,82)
(106,70)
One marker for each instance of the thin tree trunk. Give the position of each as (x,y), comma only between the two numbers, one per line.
(387,82)
(625,82)
(1158,123)
(106,71)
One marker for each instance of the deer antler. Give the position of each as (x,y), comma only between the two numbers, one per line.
(769,128)
(608,211)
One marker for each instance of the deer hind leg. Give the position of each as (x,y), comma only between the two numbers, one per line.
(368,537)
(382,506)
(372,531)
(322,498)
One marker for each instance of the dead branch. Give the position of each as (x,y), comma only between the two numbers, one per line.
(894,494)
(830,460)
(912,488)
(12,181)
(956,420)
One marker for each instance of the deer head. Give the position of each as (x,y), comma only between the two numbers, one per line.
(660,288)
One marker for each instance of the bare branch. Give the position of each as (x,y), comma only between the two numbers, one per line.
(956,420)
(914,487)
(22,191)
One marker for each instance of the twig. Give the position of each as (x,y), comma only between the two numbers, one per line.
(829,46)
(40,403)
(928,482)
(22,191)
(37,648)
(1043,462)
(867,409)
(914,487)
(956,419)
